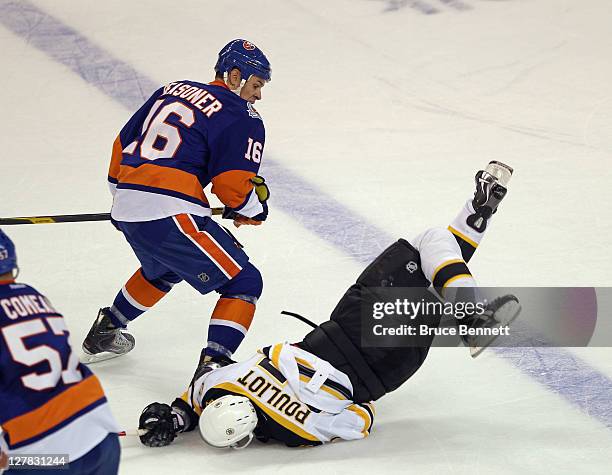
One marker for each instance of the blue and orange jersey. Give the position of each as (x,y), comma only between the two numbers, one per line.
(51,404)
(186,136)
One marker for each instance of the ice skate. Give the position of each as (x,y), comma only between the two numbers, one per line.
(104,341)
(500,312)
(209,363)
(491,187)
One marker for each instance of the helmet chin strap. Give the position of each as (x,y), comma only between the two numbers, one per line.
(243,443)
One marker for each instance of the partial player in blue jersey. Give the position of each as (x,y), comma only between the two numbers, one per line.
(53,409)
(186,136)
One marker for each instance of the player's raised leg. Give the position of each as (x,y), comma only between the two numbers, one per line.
(471,222)
(444,256)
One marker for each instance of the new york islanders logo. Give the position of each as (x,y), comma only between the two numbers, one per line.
(247,45)
(252,111)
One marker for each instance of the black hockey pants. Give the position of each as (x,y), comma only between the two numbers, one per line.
(373,371)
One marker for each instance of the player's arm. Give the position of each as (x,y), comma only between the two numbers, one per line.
(130,132)
(354,422)
(160,423)
(236,154)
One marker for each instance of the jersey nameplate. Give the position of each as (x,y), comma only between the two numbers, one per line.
(200,98)
(273,395)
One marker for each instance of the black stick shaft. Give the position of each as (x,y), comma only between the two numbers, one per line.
(67,218)
(300,318)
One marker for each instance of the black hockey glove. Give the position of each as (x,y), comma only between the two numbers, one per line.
(158,425)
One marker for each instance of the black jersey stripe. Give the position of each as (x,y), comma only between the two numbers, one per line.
(266,364)
(370,413)
(328,382)
(446,273)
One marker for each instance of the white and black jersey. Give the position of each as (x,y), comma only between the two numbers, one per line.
(300,399)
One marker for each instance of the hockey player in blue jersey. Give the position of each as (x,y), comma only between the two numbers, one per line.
(51,404)
(186,136)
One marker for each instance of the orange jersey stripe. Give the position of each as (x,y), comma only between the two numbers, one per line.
(54,411)
(116,157)
(219,82)
(166,178)
(141,290)
(233,187)
(211,248)
(234,310)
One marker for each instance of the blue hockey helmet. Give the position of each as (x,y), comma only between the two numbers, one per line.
(246,57)
(8,257)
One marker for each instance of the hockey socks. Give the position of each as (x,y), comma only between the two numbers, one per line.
(136,297)
(228,326)
(467,237)
(453,273)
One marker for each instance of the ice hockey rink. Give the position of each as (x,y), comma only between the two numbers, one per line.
(377,117)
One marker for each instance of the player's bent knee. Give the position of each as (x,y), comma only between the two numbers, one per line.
(432,237)
(248,282)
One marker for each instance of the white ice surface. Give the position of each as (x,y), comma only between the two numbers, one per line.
(389,112)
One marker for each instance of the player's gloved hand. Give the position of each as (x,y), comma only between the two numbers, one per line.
(261,189)
(254,221)
(263,194)
(158,425)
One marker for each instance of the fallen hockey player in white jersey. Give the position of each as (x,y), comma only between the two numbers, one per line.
(320,389)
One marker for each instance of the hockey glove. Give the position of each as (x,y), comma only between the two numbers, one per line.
(158,425)
(261,189)
(263,194)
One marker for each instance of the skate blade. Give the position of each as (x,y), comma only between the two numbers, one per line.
(476,350)
(88,358)
(501,171)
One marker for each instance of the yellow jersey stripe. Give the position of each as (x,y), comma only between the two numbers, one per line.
(456,277)
(325,388)
(364,415)
(196,408)
(463,236)
(304,363)
(275,354)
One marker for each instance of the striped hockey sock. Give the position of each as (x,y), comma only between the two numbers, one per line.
(136,297)
(229,325)
(467,238)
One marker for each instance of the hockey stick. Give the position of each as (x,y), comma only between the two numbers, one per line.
(128,433)
(70,218)
(300,318)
